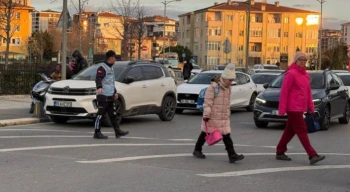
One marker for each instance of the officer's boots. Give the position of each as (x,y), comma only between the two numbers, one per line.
(119,132)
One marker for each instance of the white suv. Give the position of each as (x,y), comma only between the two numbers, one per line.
(143,88)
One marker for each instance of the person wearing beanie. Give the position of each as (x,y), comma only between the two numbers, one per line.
(295,99)
(217,112)
(106,96)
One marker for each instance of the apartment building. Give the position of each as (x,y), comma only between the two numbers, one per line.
(20,29)
(345,30)
(330,38)
(44,20)
(155,26)
(275,33)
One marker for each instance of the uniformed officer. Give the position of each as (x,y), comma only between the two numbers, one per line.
(106,96)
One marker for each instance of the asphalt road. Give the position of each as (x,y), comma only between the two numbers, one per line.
(156,156)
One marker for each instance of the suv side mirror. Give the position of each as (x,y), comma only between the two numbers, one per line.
(334,87)
(129,79)
(266,85)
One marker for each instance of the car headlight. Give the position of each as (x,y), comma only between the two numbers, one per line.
(317,101)
(260,101)
(49,90)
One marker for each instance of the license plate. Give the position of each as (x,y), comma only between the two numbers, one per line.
(188,101)
(274,112)
(62,103)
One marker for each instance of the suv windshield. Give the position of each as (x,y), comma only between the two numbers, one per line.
(202,78)
(89,74)
(317,81)
(263,78)
(271,67)
(345,79)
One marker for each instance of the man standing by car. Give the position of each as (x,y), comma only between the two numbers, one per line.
(187,69)
(106,96)
(80,62)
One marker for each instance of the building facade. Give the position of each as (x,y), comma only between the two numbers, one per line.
(345,30)
(330,39)
(275,33)
(155,26)
(21,30)
(44,20)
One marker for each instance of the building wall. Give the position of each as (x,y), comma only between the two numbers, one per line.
(267,40)
(346,33)
(44,21)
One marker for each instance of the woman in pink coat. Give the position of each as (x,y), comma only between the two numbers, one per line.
(217,112)
(295,99)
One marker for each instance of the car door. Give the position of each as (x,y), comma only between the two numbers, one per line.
(155,91)
(239,91)
(136,91)
(333,96)
(342,95)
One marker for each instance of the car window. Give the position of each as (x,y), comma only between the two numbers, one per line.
(271,67)
(337,80)
(345,79)
(203,78)
(316,81)
(263,78)
(330,80)
(136,73)
(241,79)
(89,74)
(151,72)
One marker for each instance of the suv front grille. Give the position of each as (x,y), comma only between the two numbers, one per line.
(182,96)
(272,104)
(65,91)
(65,110)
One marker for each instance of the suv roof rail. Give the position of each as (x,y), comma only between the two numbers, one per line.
(142,61)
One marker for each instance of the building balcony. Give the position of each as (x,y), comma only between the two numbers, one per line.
(214,23)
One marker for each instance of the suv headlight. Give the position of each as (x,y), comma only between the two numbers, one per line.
(49,90)
(317,101)
(260,101)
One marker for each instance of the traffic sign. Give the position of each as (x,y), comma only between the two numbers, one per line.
(227,46)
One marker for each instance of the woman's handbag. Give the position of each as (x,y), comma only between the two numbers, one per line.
(312,123)
(213,137)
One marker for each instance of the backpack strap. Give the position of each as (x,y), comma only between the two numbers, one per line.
(216,90)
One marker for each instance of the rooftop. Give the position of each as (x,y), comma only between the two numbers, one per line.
(255,7)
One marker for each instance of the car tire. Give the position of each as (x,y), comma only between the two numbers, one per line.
(59,119)
(346,116)
(168,109)
(261,124)
(179,111)
(250,108)
(326,119)
(106,121)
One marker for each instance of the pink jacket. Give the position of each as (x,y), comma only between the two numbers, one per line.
(218,109)
(296,93)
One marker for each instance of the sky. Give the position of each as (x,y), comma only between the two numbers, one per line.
(335,12)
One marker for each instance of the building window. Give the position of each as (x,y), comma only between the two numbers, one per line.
(197,32)
(17,15)
(212,60)
(14,41)
(240,61)
(241,33)
(240,48)
(214,32)
(311,48)
(17,28)
(274,33)
(285,34)
(273,47)
(312,34)
(285,49)
(286,20)
(299,35)
(229,33)
(229,17)
(213,45)
(256,32)
(241,18)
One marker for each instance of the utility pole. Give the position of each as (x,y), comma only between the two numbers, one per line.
(64,39)
(79,26)
(248,34)
(320,34)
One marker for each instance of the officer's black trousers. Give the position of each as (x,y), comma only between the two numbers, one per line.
(106,104)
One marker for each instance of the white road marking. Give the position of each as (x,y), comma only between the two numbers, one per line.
(48,130)
(30,125)
(121,159)
(181,139)
(273,170)
(45,136)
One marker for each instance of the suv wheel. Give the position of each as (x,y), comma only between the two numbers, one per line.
(250,108)
(59,119)
(326,119)
(168,109)
(261,124)
(346,115)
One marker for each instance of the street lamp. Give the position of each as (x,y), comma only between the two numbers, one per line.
(320,38)
(248,30)
(165,4)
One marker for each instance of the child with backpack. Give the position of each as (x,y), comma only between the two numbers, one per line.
(217,112)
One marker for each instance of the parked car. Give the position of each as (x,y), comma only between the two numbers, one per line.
(143,88)
(241,69)
(329,95)
(219,67)
(262,78)
(345,77)
(340,71)
(243,91)
(265,66)
(196,69)
(278,71)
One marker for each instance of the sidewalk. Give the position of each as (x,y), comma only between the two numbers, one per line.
(15,110)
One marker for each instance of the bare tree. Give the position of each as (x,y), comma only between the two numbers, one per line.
(127,10)
(79,8)
(140,28)
(7,16)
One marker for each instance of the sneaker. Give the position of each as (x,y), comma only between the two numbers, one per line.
(316,158)
(199,154)
(236,157)
(100,136)
(283,157)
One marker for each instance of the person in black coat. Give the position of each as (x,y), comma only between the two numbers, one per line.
(187,69)
(80,62)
